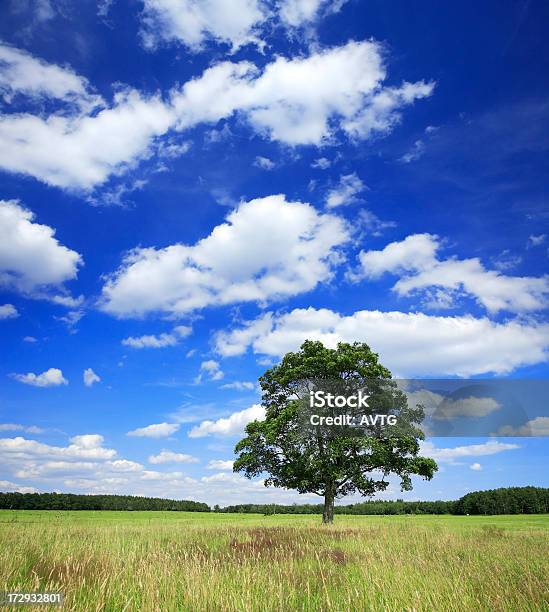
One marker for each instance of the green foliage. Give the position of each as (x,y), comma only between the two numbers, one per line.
(330,467)
(512,500)
(372,507)
(68,501)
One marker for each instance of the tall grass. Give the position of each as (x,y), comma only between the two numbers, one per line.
(180,561)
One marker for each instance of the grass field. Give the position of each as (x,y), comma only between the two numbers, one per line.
(205,562)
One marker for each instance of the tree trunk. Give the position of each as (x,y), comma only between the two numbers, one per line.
(328,514)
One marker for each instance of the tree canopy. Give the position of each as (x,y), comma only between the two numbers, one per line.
(330,466)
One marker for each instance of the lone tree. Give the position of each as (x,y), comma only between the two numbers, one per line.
(332,466)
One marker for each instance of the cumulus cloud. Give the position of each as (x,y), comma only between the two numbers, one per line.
(80,151)
(50,378)
(87,446)
(160,341)
(322,163)
(21,73)
(415,260)
(476,467)
(450,455)
(471,406)
(90,377)
(229,426)
(86,466)
(221,465)
(346,191)
(85,457)
(264,162)
(296,13)
(212,369)
(416,152)
(23,243)
(8,486)
(194,22)
(539,426)
(167,456)
(156,430)
(409,344)
(268,248)
(297,101)
(303,100)
(536,240)
(32,429)
(239,386)
(8,311)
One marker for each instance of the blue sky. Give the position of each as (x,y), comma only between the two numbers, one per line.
(189,190)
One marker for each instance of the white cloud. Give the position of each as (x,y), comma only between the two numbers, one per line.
(417,151)
(383,111)
(370,223)
(23,243)
(322,163)
(466,407)
(85,466)
(476,467)
(88,446)
(71,318)
(194,22)
(50,378)
(296,101)
(264,162)
(157,430)
(346,191)
(239,386)
(32,429)
(230,426)
(450,455)
(539,426)
(90,377)
(161,341)
(300,13)
(6,485)
(534,241)
(446,408)
(166,456)
(302,100)
(212,368)
(414,260)
(409,344)
(103,7)
(221,465)
(81,151)
(21,73)
(8,311)
(268,248)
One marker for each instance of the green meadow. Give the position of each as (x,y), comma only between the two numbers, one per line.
(205,561)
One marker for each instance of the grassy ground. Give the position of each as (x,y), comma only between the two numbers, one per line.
(206,562)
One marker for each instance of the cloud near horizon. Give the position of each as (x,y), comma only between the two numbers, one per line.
(410,344)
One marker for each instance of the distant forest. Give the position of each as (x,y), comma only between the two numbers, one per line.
(513,500)
(69,501)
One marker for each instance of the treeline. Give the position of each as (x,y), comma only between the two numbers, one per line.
(513,500)
(69,501)
(369,507)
